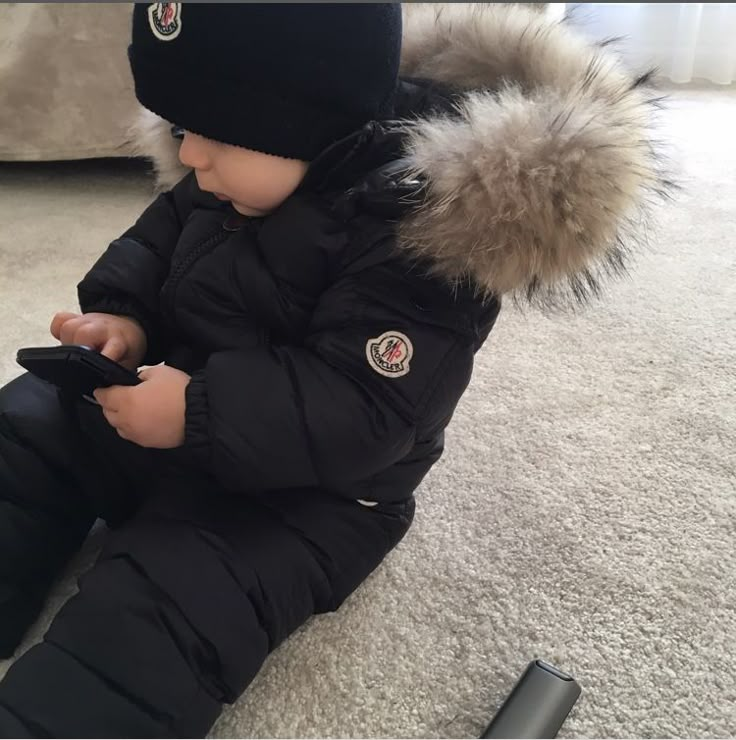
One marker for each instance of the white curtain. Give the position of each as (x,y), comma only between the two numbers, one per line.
(686,41)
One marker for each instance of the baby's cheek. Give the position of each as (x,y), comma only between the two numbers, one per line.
(264,183)
(261,198)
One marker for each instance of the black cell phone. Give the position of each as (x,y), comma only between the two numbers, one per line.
(76,369)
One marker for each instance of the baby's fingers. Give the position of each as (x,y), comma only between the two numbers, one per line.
(59,320)
(114,398)
(114,348)
(101,396)
(111,416)
(81,331)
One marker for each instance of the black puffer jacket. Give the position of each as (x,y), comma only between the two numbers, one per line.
(320,355)
(329,342)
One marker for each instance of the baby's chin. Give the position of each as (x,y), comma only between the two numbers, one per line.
(247,210)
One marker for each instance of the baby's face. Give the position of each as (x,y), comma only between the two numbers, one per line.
(255,183)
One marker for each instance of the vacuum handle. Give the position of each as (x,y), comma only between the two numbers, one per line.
(537,706)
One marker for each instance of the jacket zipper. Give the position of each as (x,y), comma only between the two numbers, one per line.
(169,289)
(176,276)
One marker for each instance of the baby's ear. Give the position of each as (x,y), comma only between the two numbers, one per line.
(158,140)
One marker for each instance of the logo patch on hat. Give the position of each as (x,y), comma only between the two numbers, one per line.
(390,354)
(165,20)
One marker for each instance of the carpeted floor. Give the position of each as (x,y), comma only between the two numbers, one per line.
(585,511)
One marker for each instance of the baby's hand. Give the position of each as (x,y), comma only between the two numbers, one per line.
(150,414)
(118,337)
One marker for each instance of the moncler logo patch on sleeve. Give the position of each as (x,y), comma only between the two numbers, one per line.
(165,20)
(390,354)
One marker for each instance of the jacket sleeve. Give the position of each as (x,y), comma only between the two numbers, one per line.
(127,278)
(375,372)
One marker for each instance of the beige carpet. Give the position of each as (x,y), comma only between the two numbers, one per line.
(585,511)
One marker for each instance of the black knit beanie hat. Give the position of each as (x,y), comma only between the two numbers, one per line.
(285,79)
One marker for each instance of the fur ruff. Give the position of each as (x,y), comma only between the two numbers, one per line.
(542,181)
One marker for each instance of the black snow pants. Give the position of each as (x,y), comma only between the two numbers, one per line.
(192,590)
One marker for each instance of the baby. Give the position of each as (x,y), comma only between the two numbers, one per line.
(307,302)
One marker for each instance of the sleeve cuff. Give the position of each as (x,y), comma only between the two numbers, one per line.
(196,448)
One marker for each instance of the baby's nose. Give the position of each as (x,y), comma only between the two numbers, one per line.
(194,152)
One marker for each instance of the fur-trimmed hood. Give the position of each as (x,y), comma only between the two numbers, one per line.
(539,181)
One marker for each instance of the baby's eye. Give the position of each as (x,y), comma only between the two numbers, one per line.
(177,132)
